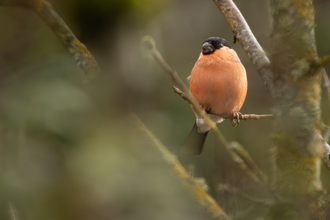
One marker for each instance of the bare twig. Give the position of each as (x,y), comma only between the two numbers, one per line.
(231,189)
(149,42)
(78,50)
(12,212)
(249,43)
(181,94)
(247,117)
(196,186)
(244,117)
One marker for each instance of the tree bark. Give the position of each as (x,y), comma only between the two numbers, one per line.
(297,87)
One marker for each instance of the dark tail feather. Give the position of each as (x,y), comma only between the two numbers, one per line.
(195,142)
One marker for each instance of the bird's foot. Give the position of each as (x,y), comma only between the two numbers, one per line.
(236,119)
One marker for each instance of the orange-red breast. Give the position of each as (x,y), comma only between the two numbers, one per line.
(218,82)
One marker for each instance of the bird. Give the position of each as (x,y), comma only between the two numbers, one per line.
(218,82)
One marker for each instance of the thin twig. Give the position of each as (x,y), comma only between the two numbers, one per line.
(12,212)
(181,94)
(244,117)
(247,117)
(78,50)
(196,186)
(231,189)
(150,44)
(249,43)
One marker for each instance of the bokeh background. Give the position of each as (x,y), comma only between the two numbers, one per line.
(70,150)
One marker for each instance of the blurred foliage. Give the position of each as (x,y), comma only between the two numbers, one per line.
(70,150)
(95,17)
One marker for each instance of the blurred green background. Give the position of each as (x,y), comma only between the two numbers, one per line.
(70,150)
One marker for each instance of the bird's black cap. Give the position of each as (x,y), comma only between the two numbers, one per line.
(217,42)
(213,43)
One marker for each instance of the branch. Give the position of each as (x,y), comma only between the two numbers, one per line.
(150,44)
(196,186)
(249,43)
(245,117)
(78,50)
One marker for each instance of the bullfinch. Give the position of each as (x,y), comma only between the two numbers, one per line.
(218,82)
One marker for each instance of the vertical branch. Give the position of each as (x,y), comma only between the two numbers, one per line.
(298,95)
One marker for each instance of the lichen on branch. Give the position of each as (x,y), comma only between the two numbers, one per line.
(78,50)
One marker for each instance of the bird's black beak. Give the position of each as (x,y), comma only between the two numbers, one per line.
(207,48)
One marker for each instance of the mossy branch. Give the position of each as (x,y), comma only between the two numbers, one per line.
(196,186)
(78,50)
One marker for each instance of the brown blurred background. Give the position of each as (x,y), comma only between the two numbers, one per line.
(70,150)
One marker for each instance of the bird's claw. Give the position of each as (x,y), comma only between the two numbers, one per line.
(236,116)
